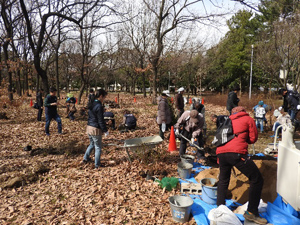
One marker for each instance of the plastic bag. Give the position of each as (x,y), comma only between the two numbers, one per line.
(163,127)
(223,216)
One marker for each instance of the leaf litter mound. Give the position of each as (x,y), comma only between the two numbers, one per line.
(50,185)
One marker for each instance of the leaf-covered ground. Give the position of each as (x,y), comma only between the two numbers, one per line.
(50,185)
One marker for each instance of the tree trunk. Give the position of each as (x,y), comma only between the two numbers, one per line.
(9,88)
(56,72)
(19,90)
(81,92)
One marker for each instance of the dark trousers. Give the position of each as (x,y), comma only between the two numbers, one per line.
(183,142)
(161,134)
(71,115)
(48,120)
(40,112)
(249,169)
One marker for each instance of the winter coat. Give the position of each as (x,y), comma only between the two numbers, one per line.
(196,129)
(290,101)
(246,133)
(232,101)
(164,112)
(201,110)
(50,109)
(179,102)
(96,118)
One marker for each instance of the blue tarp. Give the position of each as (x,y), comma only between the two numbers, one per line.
(200,209)
(278,212)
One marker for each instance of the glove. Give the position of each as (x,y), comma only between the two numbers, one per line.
(298,107)
(192,141)
(280,108)
(106,134)
(177,132)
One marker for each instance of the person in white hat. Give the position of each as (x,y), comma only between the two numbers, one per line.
(179,102)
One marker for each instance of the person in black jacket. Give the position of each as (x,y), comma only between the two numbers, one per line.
(39,100)
(50,104)
(218,120)
(96,127)
(91,98)
(290,103)
(232,100)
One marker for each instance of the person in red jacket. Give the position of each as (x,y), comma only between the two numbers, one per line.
(235,153)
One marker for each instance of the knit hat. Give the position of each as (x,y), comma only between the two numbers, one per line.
(194,116)
(261,103)
(238,109)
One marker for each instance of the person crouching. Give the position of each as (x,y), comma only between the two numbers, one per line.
(192,125)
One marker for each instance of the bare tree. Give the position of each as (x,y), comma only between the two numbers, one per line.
(168,16)
(67,10)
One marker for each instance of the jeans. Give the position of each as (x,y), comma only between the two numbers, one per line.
(249,169)
(95,141)
(292,113)
(40,112)
(260,124)
(48,120)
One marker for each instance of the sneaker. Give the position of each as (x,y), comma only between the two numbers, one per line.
(256,219)
(86,161)
(47,134)
(100,166)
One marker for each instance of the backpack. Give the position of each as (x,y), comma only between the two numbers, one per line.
(130,120)
(224,133)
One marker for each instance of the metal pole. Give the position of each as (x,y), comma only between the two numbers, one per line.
(250,86)
(169,82)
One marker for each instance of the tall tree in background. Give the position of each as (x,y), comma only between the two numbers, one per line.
(67,10)
(169,15)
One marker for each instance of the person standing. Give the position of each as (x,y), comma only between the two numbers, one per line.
(96,127)
(39,100)
(218,120)
(91,97)
(235,154)
(260,113)
(232,100)
(192,126)
(179,102)
(163,114)
(290,103)
(50,104)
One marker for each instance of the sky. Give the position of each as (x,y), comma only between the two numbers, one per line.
(215,30)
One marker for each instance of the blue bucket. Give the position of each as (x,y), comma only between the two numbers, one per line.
(209,193)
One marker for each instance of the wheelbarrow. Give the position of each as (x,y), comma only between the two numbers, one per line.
(147,143)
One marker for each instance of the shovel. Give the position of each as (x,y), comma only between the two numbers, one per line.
(200,148)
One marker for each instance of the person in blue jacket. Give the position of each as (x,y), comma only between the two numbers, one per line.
(129,121)
(50,103)
(96,127)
